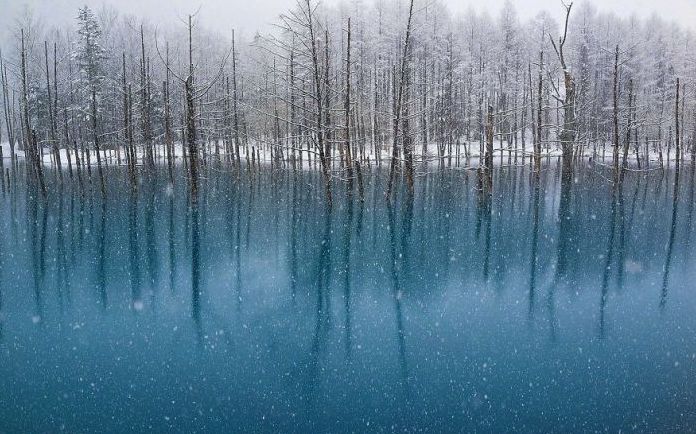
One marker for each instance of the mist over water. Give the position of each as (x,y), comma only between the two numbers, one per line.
(551,306)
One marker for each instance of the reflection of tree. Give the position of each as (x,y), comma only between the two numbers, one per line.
(250,208)
(347,234)
(626,222)
(672,234)
(133,250)
(2,268)
(690,211)
(72,226)
(616,196)
(534,257)
(565,239)
(195,267)
(397,293)
(322,306)
(293,239)
(238,248)
(565,243)
(62,278)
(484,216)
(231,206)
(151,248)
(406,226)
(101,256)
(172,252)
(37,229)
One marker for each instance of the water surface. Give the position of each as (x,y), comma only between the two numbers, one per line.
(550,307)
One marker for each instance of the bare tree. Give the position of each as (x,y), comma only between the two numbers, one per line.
(567,100)
(31,145)
(398,108)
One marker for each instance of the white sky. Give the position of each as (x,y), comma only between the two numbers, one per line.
(250,15)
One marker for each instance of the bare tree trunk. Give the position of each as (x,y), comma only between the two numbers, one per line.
(95,133)
(127,135)
(234,104)
(319,101)
(398,103)
(292,131)
(8,106)
(327,102)
(168,140)
(66,135)
(616,110)
(568,132)
(51,116)
(407,139)
(191,121)
(347,149)
(29,134)
(627,143)
(145,104)
(539,136)
(676,125)
(490,126)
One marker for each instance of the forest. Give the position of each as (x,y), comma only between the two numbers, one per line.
(375,216)
(343,89)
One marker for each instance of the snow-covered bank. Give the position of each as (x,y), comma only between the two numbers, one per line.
(263,153)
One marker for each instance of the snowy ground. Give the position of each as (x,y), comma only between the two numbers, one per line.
(265,154)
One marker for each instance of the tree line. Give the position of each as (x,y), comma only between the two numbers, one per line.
(346,87)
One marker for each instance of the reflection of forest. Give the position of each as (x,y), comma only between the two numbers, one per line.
(554,232)
(259,292)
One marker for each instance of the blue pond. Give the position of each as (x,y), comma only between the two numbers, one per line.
(555,305)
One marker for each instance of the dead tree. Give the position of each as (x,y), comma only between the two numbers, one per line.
(168,137)
(193,94)
(616,110)
(488,165)
(145,104)
(51,116)
(309,24)
(127,128)
(567,135)
(191,119)
(29,134)
(398,105)
(629,129)
(95,132)
(537,142)
(235,113)
(8,108)
(347,149)
(327,100)
(677,134)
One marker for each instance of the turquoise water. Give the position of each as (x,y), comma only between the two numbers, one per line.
(548,308)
